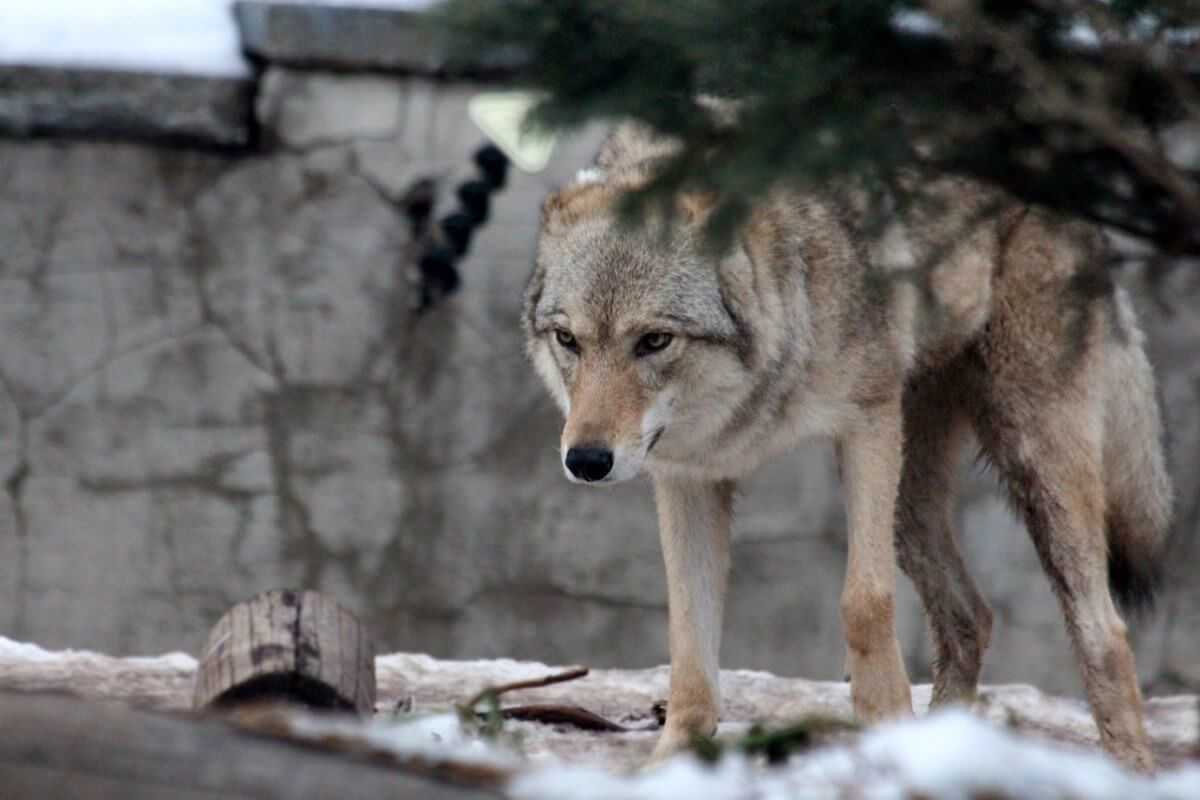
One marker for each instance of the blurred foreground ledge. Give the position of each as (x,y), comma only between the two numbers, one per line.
(1018,738)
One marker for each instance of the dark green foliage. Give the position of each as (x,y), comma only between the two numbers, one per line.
(995,89)
(774,745)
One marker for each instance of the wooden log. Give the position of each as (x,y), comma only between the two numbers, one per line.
(290,645)
(55,746)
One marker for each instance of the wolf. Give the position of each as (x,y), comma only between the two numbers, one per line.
(964,315)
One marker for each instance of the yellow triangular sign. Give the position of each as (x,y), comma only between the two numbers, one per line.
(501,116)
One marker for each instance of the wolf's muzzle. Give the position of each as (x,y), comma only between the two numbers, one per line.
(589,463)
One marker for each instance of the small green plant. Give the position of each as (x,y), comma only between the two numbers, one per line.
(481,716)
(775,745)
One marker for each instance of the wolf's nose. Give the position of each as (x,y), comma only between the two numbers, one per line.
(590,462)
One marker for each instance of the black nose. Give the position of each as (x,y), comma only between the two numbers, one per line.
(589,462)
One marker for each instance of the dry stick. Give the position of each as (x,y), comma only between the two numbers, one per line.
(576,716)
(533,683)
(550,714)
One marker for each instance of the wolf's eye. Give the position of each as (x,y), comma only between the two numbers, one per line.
(565,339)
(653,342)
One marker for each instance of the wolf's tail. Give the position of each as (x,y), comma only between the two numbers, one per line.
(1137,485)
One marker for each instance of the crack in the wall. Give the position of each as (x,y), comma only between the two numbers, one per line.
(196,254)
(535,588)
(410,574)
(44,238)
(29,409)
(397,303)
(14,488)
(36,411)
(206,480)
(244,508)
(301,541)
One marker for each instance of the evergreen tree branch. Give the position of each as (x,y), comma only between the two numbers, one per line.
(1065,103)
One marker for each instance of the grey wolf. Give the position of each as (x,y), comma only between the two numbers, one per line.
(967,315)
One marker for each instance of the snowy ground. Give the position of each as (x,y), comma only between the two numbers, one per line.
(1019,743)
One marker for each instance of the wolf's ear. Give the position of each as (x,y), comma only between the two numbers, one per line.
(695,207)
(572,203)
(630,143)
(532,296)
(736,286)
(553,206)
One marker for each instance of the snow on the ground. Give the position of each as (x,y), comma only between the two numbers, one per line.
(155,681)
(11,650)
(944,756)
(173,36)
(1018,743)
(429,737)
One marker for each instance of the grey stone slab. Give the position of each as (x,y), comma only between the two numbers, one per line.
(314,34)
(305,110)
(175,108)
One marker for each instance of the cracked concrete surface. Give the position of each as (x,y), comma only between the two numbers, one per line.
(212,383)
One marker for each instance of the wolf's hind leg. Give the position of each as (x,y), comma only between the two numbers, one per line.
(870,455)
(936,430)
(1041,419)
(1053,472)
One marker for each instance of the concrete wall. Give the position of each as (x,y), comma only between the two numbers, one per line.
(212,383)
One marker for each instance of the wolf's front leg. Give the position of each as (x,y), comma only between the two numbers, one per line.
(693,521)
(870,455)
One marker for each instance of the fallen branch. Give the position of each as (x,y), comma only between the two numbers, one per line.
(532,683)
(576,716)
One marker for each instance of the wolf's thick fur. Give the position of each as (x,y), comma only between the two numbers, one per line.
(968,314)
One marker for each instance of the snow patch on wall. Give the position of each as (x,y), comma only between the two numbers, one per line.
(171,36)
(400,5)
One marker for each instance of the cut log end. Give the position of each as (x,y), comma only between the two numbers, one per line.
(290,645)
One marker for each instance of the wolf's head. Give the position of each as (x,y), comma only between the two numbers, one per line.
(637,333)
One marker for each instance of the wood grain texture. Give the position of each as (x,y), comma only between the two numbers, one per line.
(290,644)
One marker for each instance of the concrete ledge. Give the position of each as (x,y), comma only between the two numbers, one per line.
(193,107)
(369,36)
(199,110)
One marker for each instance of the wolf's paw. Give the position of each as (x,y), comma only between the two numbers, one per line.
(670,742)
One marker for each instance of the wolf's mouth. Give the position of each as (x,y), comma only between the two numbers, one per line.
(654,439)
